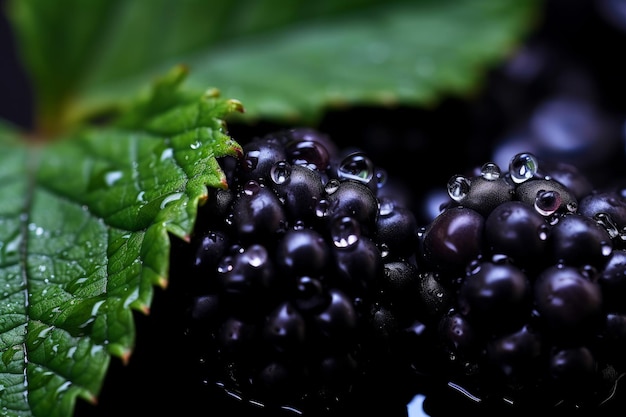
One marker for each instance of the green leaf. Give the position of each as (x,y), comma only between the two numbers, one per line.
(85,224)
(285,59)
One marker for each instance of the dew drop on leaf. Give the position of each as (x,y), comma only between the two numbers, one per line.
(110,178)
(167,154)
(172,197)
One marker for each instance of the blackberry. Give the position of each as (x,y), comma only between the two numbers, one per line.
(522,290)
(296,277)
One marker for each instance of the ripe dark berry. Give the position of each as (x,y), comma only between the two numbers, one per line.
(300,269)
(521,288)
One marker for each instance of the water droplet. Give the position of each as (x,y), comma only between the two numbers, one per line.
(458,187)
(225,265)
(381,177)
(500,258)
(12,246)
(473,267)
(44,332)
(308,153)
(96,307)
(38,230)
(112,177)
(251,188)
(490,171)
(543,232)
(356,166)
(345,232)
(280,172)
(547,202)
(167,153)
(571,206)
(256,255)
(607,222)
(606,248)
(170,198)
(299,225)
(251,159)
(322,209)
(64,387)
(197,144)
(332,186)
(384,250)
(71,351)
(386,207)
(523,167)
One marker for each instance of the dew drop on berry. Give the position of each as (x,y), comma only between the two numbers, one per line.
(490,171)
(310,293)
(332,186)
(384,250)
(458,187)
(547,202)
(322,209)
(251,188)
(571,206)
(225,265)
(356,166)
(543,232)
(299,225)
(386,207)
(345,232)
(522,167)
(308,153)
(280,172)
(381,177)
(251,160)
(256,255)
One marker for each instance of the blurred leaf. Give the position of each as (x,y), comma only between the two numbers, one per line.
(284,59)
(84,238)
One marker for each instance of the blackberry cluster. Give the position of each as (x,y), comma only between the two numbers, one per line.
(522,289)
(294,275)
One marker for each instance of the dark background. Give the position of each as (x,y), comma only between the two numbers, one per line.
(15,95)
